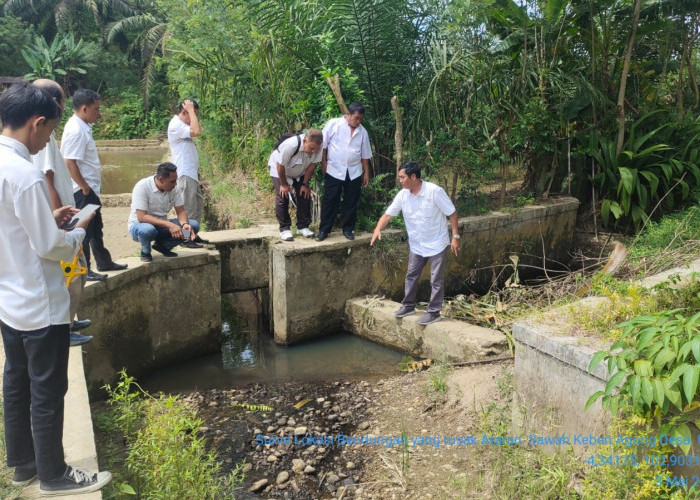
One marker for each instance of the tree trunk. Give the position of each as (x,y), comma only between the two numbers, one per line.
(623,79)
(335,87)
(398,135)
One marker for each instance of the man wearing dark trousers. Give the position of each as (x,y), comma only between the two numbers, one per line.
(80,153)
(34,303)
(345,164)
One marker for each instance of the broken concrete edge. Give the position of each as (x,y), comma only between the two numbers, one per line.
(449,340)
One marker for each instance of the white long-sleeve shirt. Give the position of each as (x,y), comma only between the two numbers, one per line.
(33,293)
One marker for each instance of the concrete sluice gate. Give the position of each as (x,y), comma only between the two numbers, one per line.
(169,310)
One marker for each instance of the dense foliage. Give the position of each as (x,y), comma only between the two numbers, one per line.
(596,98)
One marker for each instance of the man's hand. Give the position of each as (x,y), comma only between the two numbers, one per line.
(454,245)
(86,190)
(365,179)
(376,235)
(305,192)
(284,190)
(187,226)
(188,106)
(324,165)
(176,232)
(86,220)
(64,214)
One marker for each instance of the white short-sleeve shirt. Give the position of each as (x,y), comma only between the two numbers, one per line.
(294,164)
(346,149)
(425,215)
(77,144)
(33,292)
(146,196)
(183,151)
(50,159)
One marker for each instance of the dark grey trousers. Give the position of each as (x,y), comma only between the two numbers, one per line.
(34,384)
(282,206)
(416,263)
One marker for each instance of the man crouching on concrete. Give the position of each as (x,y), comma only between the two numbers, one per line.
(151,200)
(34,302)
(425,206)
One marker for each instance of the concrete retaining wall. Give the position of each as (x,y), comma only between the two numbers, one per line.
(448,340)
(311,282)
(153,315)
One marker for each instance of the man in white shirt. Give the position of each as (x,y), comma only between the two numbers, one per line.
(292,164)
(184,127)
(425,206)
(151,200)
(80,154)
(58,180)
(345,164)
(34,301)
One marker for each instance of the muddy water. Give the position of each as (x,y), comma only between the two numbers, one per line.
(249,355)
(122,168)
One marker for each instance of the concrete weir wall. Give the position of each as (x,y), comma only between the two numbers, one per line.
(311,282)
(153,315)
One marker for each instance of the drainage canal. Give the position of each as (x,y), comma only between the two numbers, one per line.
(249,356)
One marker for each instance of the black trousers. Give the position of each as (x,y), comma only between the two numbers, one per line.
(282,206)
(34,384)
(333,188)
(93,234)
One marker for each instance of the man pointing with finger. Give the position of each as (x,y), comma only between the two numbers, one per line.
(425,206)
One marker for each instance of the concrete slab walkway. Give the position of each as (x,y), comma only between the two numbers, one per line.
(78,435)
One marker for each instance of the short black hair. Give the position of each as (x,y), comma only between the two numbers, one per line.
(181,105)
(356,107)
(411,167)
(85,97)
(22,101)
(165,169)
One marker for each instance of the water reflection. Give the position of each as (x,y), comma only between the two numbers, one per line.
(122,168)
(249,356)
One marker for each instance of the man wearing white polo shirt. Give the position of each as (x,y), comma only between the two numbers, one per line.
(182,129)
(345,164)
(151,200)
(425,207)
(80,153)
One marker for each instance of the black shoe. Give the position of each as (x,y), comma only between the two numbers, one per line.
(113,266)
(192,244)
(78,339)
(200,240)
(80,324)
(75,481)
(24,475)
(348,234)
(164,251)
(322,235)
(146,257)
(93,276)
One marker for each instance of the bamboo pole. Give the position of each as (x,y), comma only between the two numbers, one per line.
(335,87)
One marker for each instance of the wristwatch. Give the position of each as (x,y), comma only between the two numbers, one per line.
(456,236)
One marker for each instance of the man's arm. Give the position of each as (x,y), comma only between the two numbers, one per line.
(282,174)
(53,194)
(195,127)
(381,224)
(365,169)
(305,190)
(184,220)
(454,223)
(77,176)
(175,230)
(324,161)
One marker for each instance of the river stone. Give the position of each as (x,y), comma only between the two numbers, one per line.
(272,458)
(257,431)
(332,478)
(282,421)
(298,465)
(350,465)
(363,426)
(309,470)
(271,428)
(300,431)
(291,422)
(258,485)
(247,468)
(282,477)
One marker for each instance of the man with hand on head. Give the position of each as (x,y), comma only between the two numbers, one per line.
(182,129)
(58,180)
(34,302)
(151,200)
(80,153)
(425,207)
(292,164)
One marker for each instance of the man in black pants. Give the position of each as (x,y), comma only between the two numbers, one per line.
(345,164)
(34,303)
(80,153)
